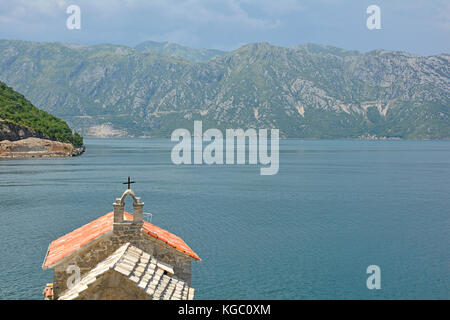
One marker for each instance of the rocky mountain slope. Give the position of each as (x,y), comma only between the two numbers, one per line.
(179,51)
(307,91)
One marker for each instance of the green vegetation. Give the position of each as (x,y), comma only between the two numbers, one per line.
(16,109)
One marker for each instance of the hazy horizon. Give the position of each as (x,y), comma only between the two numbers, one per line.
(226,51)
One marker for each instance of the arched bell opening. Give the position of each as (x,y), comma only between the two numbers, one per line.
(119,206)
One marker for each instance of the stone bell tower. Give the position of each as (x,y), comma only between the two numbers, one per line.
(123,228)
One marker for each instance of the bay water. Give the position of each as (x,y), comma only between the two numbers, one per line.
(308,232)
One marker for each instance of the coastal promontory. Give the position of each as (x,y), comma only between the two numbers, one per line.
(28,132)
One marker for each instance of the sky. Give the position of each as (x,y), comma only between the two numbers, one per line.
(416,26)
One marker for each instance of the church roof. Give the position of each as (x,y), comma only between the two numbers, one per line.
(147,273)
(71,242)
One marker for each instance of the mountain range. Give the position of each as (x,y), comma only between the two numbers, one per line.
(306,91)
(178,51)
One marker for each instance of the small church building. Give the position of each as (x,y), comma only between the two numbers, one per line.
(119,256)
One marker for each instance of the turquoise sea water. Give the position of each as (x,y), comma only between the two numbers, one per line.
(309,232)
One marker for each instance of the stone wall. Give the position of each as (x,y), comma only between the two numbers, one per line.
(180,262)
(88,257)
(113,286)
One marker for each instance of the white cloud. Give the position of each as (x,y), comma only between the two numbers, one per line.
(190,11)
(23,8)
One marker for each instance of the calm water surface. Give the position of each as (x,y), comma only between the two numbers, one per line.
(309,232)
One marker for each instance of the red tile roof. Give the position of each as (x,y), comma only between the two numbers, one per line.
(80,237)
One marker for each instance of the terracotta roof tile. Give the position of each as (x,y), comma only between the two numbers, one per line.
(80,237)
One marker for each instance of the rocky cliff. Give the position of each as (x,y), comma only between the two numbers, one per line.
(12,132)
(22,142)
(37,148)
